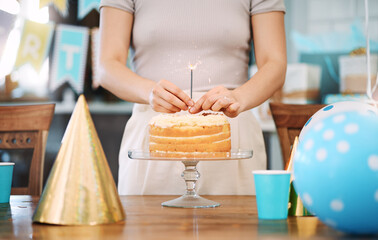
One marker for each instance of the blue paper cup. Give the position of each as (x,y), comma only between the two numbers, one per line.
(6,174)
(272,193)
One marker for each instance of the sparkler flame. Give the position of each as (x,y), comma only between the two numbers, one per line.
(193,66)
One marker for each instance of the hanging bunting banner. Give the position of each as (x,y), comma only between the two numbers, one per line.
(35,44)
(95,54)
(69,57)
(85,6)
(60,5)
(7,21)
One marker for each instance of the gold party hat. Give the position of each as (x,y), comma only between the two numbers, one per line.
(306,227)
(80,189)
(296,207)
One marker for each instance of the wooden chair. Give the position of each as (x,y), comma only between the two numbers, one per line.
(27,127)
(289,120)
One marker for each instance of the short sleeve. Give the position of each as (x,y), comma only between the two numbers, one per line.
(261,6)
(127,5)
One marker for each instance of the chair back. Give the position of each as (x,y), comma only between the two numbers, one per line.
(27,127)
(289,120)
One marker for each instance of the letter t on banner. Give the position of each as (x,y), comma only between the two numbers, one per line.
(69,57)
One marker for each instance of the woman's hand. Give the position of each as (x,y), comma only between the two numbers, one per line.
(166,97)
(218,99)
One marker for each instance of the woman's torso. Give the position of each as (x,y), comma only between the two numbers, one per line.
(168,35)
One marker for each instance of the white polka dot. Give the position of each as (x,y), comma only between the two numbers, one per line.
(337,205)
(307,199)
(376,196)
(318,126)
(339,118)
(343,146)
(330,222)
(309,143)
(328,134)
(351,128)
(321,154)
(297,155)
(373,162)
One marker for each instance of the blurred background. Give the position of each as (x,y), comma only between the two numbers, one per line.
(48,51)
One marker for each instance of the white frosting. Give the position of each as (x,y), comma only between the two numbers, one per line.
(170,120)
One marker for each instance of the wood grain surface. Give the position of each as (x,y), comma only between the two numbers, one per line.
(236,218)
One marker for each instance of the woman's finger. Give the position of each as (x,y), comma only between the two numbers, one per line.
(210,101)
(197,107)
(157,103)
(167,105)
(180,94)
(232,110)
(175,95)
(221,103)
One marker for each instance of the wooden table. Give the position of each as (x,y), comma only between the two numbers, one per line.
(236,218)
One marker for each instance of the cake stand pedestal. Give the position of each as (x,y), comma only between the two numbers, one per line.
(190,199)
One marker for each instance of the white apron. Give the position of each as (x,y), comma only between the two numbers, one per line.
(231,177)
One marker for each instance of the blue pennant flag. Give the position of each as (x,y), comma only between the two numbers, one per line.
(70,55)
(85,6)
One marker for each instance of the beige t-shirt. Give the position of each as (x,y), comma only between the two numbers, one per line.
(213,35)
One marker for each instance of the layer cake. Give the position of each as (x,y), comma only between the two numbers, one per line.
(187,136)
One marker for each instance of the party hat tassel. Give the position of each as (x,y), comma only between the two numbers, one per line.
(80,189)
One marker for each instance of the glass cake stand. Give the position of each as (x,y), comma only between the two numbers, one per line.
(191,199)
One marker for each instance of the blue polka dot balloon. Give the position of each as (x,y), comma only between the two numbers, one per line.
(336,108)
(336,171)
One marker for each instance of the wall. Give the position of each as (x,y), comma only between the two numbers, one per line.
(321,16)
